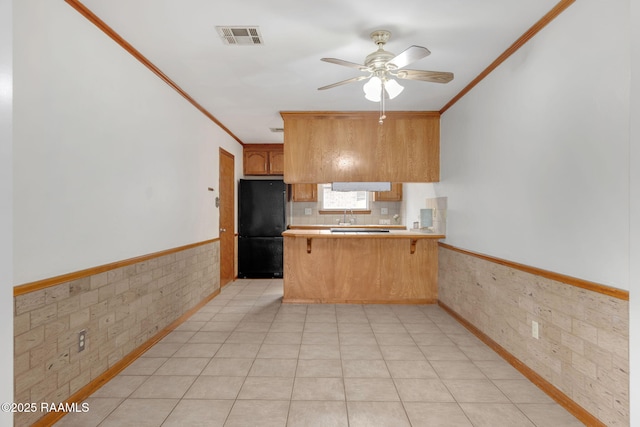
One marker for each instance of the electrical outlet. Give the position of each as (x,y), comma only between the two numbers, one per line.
(82,340)
(307,211)
(385,222)
(384,211)
(535,329)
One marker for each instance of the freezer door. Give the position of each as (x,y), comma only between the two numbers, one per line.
(260,257)
(261,211)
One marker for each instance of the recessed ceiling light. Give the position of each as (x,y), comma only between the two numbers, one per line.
(240,36)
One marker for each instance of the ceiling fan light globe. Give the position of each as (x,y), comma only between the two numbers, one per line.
(372,89)
(393,88)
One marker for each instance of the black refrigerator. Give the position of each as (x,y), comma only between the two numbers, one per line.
(261,221)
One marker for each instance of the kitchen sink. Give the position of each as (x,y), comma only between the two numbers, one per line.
(358,230)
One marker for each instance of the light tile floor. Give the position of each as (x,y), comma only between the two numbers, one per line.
(246,360)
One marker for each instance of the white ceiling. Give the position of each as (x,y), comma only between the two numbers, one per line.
(245,87)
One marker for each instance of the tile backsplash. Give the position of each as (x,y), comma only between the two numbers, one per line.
(298,216)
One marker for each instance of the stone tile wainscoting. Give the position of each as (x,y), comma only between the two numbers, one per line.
(121,309)
(583,343)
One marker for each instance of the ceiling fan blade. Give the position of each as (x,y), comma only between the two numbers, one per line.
(409,55)
(425,76)
(345,63)
(344,82)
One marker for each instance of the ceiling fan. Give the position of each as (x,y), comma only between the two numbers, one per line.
(383,66)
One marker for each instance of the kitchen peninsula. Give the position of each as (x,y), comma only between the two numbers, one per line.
(395,266)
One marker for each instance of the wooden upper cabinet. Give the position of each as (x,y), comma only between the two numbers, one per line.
(395,195)
(256,162)
(330,147)
(276,162)
(263,159)
(304,192)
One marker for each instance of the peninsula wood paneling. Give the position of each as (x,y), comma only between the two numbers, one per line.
(335,146)
(360,270)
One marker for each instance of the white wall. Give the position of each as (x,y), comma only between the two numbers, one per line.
(534,159)
(414,196)
(6,211)
(634,195)
(109,162)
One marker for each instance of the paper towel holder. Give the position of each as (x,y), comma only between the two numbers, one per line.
(426,219)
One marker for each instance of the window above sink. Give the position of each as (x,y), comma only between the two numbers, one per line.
(342,200)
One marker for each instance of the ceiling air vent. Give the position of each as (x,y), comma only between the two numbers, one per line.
(240,36)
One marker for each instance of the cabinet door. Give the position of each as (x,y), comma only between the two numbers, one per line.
(256,162)
(395,195)
(276,162)
(304,192)
(352,146)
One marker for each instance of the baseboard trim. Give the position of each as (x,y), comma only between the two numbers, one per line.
(57,280)
(86,391)
(569,280)
(229,282)
(565,401)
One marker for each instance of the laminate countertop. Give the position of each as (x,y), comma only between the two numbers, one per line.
(327,227)
(391,234)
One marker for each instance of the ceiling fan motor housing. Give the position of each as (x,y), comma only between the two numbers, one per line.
(379,60)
